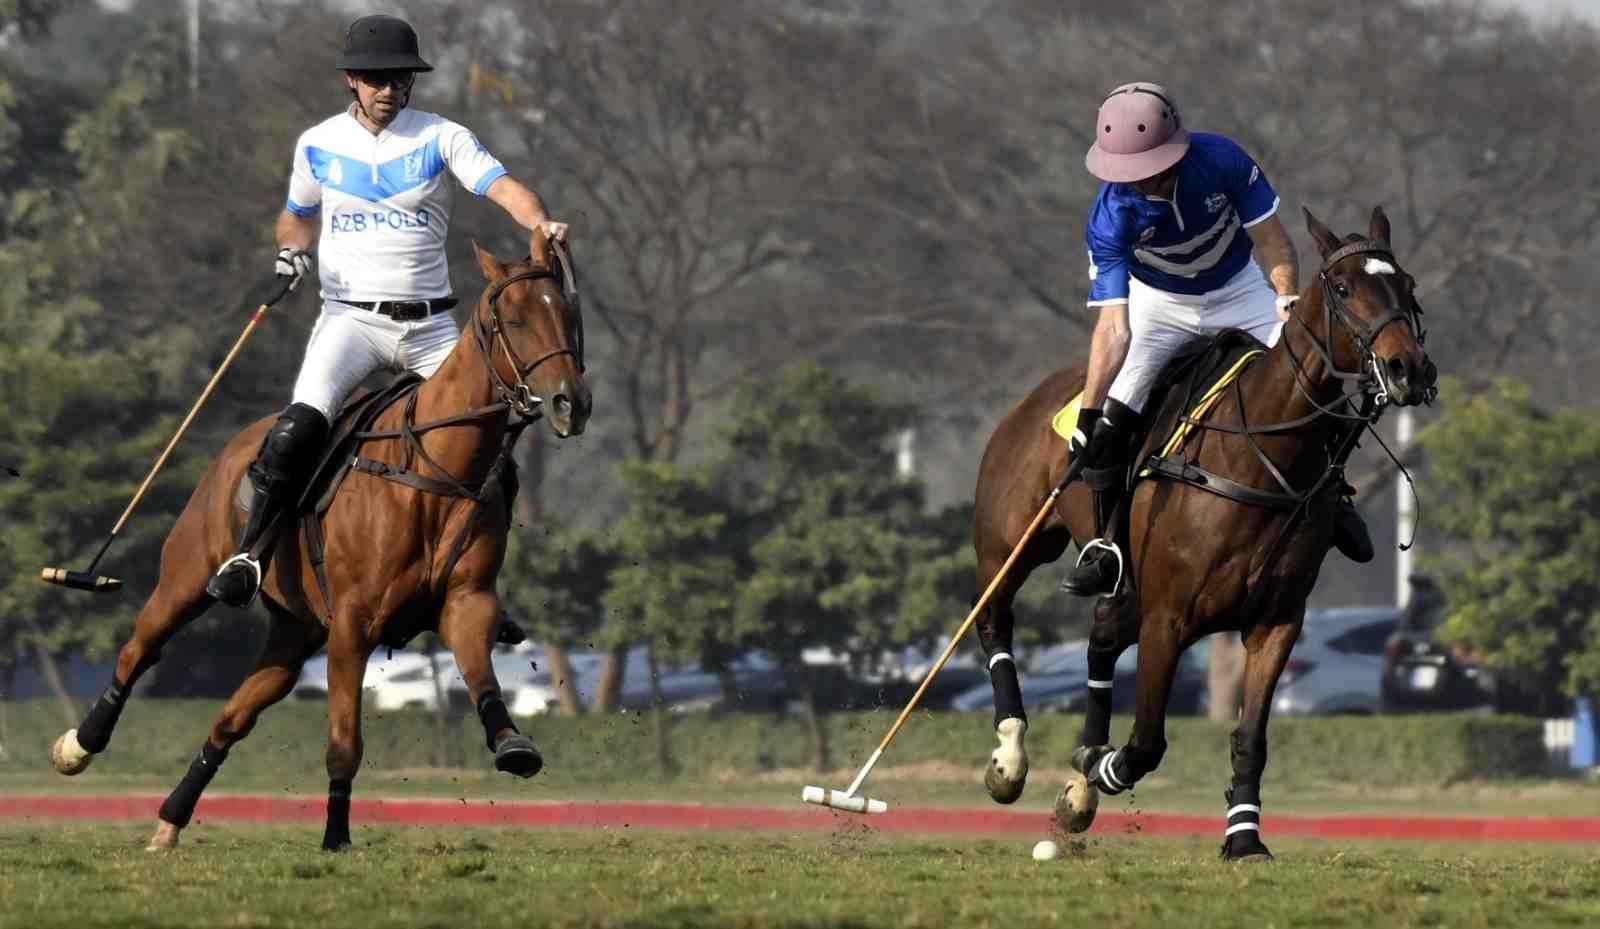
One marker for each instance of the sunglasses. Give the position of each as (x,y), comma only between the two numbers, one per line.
(378,80)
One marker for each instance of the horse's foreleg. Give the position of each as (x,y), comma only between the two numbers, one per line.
(1266,652)
(289,643)
(468,625)
(179,598)
(347,664)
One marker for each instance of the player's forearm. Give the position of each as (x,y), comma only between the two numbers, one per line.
(294,231)
(1275,252)
(1107,349)
(519,202)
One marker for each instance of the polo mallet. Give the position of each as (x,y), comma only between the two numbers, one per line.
(87,579)
(847,800)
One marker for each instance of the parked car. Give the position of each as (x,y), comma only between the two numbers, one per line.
(1336,667)
(391,682)
(406,680)
(1421,674)
(1056,680)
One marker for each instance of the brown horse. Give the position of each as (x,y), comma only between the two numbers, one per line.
(418,550)
(1205,554)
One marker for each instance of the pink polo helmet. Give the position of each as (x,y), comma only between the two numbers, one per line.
(1138,134)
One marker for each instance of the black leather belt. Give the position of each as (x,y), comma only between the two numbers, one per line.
(404,310)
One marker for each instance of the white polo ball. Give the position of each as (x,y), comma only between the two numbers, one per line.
(1046,850)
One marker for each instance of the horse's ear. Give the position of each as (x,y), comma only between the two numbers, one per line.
(492,269)
(1324,237)
(1379,228)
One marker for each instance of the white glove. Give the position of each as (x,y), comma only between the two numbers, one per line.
(294,263)
(1286,303)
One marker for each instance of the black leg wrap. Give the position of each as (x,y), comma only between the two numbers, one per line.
(94,733)
(492,712)
(179,806)
(1007,689)
(337,834)
(1242,838)
(1097,718)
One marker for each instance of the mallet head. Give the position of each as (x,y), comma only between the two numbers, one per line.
(79,580)
(839,800)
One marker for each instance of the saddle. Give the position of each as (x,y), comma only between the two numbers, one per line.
(351,428)
(1185,390)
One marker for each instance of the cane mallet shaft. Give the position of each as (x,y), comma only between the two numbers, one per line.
(848,800)
(87,579)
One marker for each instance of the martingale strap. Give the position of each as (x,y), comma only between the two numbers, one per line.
(477,493)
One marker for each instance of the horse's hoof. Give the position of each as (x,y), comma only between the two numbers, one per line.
(1077,804)
(165,839)
(1085,757)
(1245,848)
(68,756)
(516,754)
(1007,774)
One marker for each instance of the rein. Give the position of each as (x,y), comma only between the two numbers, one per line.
(516,400)
(1366,404)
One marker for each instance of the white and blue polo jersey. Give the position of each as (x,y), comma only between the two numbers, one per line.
(385,201)
(1192,244)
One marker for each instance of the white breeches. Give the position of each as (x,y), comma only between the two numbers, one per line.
(1164,326)
(349,343)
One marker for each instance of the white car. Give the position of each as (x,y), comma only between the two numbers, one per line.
(406,680)
(395,682)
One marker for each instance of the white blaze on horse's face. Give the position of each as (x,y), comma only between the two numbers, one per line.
(1378,266)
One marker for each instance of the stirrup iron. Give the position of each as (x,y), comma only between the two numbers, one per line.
(1116,552)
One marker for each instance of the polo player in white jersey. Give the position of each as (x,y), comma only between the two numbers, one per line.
(1170,240)
(370,189)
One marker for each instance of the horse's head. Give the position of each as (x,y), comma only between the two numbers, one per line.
(1363,291)
(529,327)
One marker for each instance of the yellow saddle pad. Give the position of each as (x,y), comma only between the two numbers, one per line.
(1067,419)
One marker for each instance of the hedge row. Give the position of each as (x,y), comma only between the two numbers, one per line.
(157,737)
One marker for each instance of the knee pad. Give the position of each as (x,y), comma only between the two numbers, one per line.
(290,442)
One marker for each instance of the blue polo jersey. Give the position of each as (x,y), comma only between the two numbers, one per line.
(1192,244)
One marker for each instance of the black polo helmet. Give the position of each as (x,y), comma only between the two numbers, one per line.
(381,43)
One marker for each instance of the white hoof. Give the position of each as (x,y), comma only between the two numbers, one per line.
(165,839)
(68,756)
(1076,806)
(1008,764)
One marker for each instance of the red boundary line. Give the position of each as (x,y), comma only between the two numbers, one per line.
(266,809)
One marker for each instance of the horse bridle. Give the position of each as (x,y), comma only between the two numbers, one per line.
(519,397)
(1371,376)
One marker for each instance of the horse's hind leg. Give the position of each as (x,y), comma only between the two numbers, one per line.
(1266,652)
(290,641)
(1115,628)
(1112,772)
(179,598)
(1007,773)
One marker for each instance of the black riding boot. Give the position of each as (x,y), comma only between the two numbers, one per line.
(1106,473)
(276,476)
(1350,535)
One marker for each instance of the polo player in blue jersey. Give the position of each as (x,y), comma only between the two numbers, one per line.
(1170,238)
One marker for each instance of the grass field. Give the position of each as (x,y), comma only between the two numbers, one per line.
(1418,766)
(246,876)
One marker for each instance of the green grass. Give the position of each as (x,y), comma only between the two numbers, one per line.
(245,876)
(1417,765)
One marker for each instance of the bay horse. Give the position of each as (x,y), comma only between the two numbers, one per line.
(397,551)
(1230,539)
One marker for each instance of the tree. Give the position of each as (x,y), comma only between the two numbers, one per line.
(555,581)
(1519,506)
(837,549)
(672,586)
